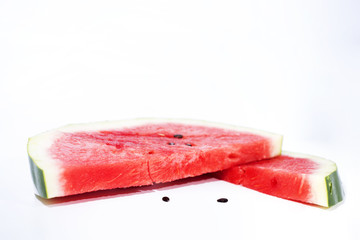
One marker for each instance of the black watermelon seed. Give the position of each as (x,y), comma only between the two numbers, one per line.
(166,199)
(223,200)
(188,144)
(178,136)
(170,143)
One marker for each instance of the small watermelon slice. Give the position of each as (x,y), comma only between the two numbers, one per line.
(88,157)
(293,176)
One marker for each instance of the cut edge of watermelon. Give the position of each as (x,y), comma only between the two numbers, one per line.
(276,139)
(37,175)
(113,125)
(334,189)
(46,174)
(325,184)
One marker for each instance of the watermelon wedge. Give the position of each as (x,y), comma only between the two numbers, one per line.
(293,176)
(87,157)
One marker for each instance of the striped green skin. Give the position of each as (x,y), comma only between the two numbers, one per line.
(334,191)
(38,179)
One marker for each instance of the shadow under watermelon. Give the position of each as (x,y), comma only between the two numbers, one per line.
(123,192)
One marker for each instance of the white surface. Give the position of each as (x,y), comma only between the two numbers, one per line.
(280,66)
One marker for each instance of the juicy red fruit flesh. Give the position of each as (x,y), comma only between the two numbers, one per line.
(142,155)
(282,176)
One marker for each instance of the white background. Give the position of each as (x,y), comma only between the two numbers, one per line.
(291,67)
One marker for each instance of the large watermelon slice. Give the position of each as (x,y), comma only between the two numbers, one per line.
(88,157)
(294,176)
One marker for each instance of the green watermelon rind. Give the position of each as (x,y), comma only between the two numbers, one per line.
(334,190)
(326,187)
(37,175)
(44,174)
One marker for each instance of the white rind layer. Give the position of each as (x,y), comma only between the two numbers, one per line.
(39,145)
(319,194)
(38,151)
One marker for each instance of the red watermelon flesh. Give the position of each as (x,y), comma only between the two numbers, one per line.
(82,158)
(292,176)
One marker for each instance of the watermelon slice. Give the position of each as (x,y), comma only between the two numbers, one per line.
(88,157)
(291,176)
